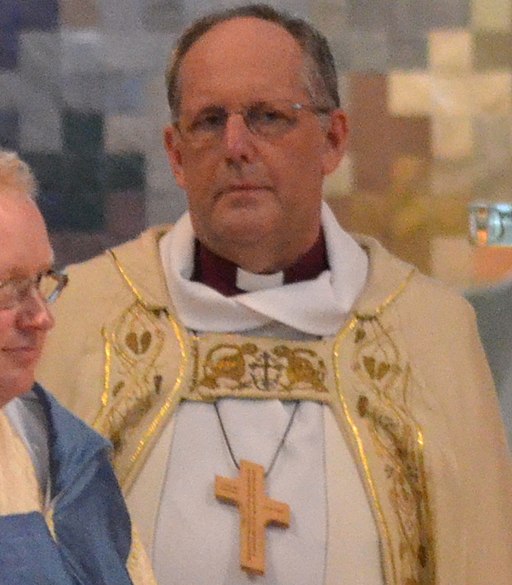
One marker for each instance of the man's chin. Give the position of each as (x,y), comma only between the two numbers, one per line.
(15,386)
(243,233)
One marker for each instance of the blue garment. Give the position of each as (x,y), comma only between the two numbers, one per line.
(90,519)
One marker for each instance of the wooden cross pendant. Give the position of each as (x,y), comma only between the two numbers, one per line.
(256,512)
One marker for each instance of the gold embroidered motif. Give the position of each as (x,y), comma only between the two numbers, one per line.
(398,441)
(359,444)
(226,364)
(374,385)
(138,344)
(137,349)
(304,367)
(134,408)
(263,370)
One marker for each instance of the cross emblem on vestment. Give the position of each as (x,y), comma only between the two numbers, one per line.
(256,512)
(267,365)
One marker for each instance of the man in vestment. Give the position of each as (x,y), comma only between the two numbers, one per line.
(63,520)
(288,404)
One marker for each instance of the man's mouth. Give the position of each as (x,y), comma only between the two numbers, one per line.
(25,354)
(240,187)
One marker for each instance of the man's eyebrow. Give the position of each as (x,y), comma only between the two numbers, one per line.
(16,273)
(12,273)
(209,108)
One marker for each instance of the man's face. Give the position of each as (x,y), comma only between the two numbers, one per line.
(25,252)
(246,188)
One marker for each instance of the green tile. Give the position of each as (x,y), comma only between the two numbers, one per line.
(9,129)
(47,168)
(84,173)
(84,194)
(71,190)
(83,132)
(125,171)
(85,211)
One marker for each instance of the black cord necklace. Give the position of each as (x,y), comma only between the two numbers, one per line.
(279,446)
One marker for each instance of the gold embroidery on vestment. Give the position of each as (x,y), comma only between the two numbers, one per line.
(382,385)
(137,351)
(257,369)
(371,382)
(132,390)
(358,441)
(163,413)
(386,384)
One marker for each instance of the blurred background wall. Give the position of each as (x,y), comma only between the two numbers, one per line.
(427,85)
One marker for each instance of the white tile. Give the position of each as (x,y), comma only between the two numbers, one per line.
(124,133)
(125,93)
(82,51)
(165,206)
(493,145)
(156,106)
(162,15)
(13,90)
(85,91)
(492,93)
(159,175)
(369,51)
(450,51)
(119,15)
(40,59)
(409,93)
(451,177)
(40,128)
(452,137)
(139,51)
(452,96)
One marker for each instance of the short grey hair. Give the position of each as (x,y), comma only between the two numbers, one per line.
(15,174)
(322,80)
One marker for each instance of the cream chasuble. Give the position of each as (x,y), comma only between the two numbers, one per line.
(332,532)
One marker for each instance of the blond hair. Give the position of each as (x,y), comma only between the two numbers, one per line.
(16,175)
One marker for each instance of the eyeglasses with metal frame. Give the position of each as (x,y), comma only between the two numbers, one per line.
(48,285)
(265,119)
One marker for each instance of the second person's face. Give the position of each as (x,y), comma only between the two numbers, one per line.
(26,252)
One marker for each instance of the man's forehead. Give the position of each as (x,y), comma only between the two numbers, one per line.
(241,38)
(267,31)
(23,236)
(242,53)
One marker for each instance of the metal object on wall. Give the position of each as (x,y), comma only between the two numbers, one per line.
(490,224)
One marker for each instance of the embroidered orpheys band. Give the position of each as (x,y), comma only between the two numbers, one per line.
(260,369)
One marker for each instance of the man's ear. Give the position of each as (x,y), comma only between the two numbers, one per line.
(172,143)
(336,141)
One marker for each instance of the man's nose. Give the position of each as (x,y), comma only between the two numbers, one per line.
(238,138)
(34,312)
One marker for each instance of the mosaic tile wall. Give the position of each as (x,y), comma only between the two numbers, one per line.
(427,85)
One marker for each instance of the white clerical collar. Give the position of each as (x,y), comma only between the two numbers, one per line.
(251,282)
(316,307)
